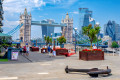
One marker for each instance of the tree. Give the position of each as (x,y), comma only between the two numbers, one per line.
(61,40)
(114,45)
(91,32)
(48,40)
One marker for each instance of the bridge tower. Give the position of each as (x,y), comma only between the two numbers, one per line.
(68,31)
(25,30)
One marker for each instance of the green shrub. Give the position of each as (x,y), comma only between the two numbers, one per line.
(114,44)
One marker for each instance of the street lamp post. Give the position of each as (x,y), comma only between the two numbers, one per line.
(97,24)
(61,33)
(51,37)
(75,38)
(44,38)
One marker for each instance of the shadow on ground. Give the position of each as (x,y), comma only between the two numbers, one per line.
(33,57)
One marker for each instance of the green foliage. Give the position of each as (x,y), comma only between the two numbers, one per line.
(48,40)
(91,32)
(61,40)
(114,45)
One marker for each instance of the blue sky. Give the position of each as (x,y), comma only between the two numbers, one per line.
(103,10)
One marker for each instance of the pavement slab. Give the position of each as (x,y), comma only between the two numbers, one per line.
(44,67)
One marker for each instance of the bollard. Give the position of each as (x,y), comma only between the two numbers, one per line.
(113,52)
(119,53)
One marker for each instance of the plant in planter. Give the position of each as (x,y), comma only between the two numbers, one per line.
(91,32)
(61,40)
(48,40)
(94,54)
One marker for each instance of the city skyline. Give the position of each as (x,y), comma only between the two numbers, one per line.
(103,11)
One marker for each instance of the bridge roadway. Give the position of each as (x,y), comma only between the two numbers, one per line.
(48,24)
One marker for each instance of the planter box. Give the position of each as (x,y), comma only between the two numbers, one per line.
(45,50)
(91,55)
(61,51)
(34,48)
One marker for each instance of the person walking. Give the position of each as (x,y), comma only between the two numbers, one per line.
(27,52)
(49,49)
(54,52)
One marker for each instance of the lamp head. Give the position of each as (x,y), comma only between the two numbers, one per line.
(97,23)
(75,29)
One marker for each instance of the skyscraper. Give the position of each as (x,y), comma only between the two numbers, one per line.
(47,30)
(85,18)
(112,29)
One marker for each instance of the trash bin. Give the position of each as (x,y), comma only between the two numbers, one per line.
(13,53)
(9,53)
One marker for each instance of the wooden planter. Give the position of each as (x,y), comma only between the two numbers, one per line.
(61,51)
(91,55)
(34,48)
(45,50)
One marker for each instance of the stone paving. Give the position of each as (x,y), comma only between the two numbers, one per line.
(43,67)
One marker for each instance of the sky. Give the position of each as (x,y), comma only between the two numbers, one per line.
(103,11)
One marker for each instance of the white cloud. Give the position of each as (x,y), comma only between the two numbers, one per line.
(11,24)
(61,3)
(75,12)
(41,16)
(17,6)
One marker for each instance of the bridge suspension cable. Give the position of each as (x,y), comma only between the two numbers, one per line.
(15,29)
(81,38)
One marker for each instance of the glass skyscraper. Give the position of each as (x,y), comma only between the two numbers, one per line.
(112,29)
(85,18)
(47,30)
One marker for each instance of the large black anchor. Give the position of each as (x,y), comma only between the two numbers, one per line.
(94,72)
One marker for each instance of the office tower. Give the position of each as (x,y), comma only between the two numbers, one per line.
(47,30)
(85,18)
(112,29)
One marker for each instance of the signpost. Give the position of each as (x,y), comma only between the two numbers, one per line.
(14,56)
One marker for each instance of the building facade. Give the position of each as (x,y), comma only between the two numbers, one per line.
(68,31)
(25,30)
(1,16)
(112,29)
(47,30)
(85,18)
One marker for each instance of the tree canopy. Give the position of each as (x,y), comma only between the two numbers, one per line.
(61,40)
(114,44)
(91,32)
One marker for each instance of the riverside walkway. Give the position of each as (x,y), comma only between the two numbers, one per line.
(42,67)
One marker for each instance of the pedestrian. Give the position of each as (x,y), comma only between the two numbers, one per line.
(24,49)
(20,50)
(49,49)
(27,52)
(54,52)
(94,47)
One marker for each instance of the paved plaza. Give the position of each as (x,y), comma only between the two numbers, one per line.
(41,67)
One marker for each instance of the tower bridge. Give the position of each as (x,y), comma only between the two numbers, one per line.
(47,26)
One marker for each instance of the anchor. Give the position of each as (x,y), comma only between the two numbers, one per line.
(94,72)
